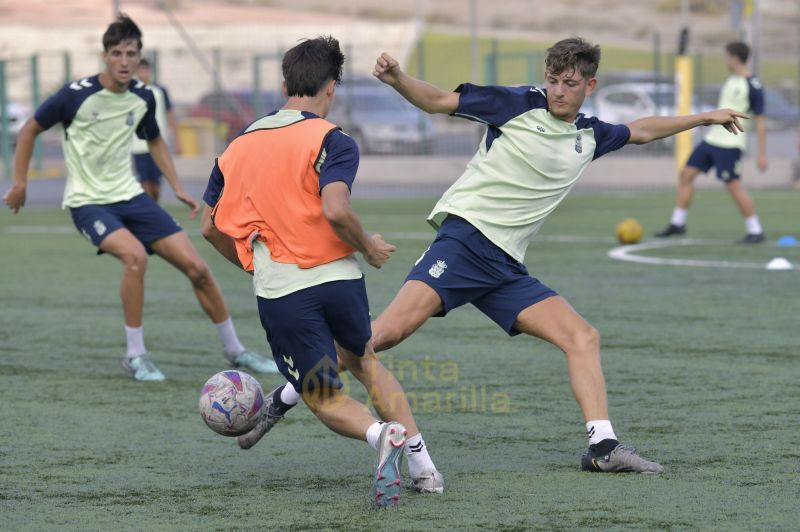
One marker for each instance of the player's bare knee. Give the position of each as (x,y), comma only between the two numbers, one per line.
(134,261)
(198,273)
(584,340)
(687,177)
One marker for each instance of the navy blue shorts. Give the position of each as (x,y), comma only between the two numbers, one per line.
(140,215)
(302,326)
(146,168)
(727,161)
(463,266)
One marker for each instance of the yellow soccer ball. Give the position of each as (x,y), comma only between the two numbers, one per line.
(629,231)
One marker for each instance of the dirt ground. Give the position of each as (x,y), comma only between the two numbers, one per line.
(608,21)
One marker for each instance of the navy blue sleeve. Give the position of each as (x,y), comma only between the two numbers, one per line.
(341,160)
(608,137)
(496,105)
(756,95)
(55,109)
(148,127)
(167,101)
(216,182)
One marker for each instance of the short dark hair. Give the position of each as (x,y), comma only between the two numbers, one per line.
(739,50)
(122,29)
(144,63)
(573,53)
(311,64)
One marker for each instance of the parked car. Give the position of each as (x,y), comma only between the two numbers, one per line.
(16,114)
(235,109)
(379,119)
(375,116)
(622,103)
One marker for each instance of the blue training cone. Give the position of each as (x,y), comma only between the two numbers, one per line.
(787,241)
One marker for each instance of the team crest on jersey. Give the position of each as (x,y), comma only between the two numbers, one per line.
(540,129)
(578,143)
(129,119)
(95,116)
(99,228)
(437,269)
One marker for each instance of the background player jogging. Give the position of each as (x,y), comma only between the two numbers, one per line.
(536,146)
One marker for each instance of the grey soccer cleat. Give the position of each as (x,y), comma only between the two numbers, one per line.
(621,459)
(386,488)
(269,417)
(430,481)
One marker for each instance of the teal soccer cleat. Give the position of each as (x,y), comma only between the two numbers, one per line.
(141,368)
(253,361)
(386,490)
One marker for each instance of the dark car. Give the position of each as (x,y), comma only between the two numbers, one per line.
(374,115)
(236,109)
(379,119)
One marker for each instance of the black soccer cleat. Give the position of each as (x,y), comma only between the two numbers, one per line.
(752,238)
(670,230)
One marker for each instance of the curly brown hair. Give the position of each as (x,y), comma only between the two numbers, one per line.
(573,53)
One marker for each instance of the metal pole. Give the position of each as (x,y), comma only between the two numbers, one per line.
(5,141)
(37,146)
(115,8)
(757,37)
(473,39)
(67,67)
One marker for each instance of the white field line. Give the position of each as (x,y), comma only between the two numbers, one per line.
(622,253)
(628,254)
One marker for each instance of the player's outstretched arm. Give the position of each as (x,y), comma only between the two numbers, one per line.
(652,128)
(15,196)
(420,93)
(346,224)
(160,153)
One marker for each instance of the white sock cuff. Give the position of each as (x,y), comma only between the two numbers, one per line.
(289,395)
(135,341)
(414,444)
(227,335)
(374,433)
(679,216)
(599,430)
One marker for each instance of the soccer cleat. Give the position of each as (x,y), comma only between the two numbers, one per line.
(752,238)
(621,459)
(386,489)
(670,230)
(430,481)
(269,417)
(141,368)
(254,361)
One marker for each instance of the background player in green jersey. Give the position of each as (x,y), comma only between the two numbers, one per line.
(146,168)
(100,115)
(743,92)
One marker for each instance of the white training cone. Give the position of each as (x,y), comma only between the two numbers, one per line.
(779,263)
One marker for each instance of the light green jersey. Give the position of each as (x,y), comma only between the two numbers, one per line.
(98,128)
(526,164)
(743,94)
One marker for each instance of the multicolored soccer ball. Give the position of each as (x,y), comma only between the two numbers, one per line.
(629,231)
(230,402)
